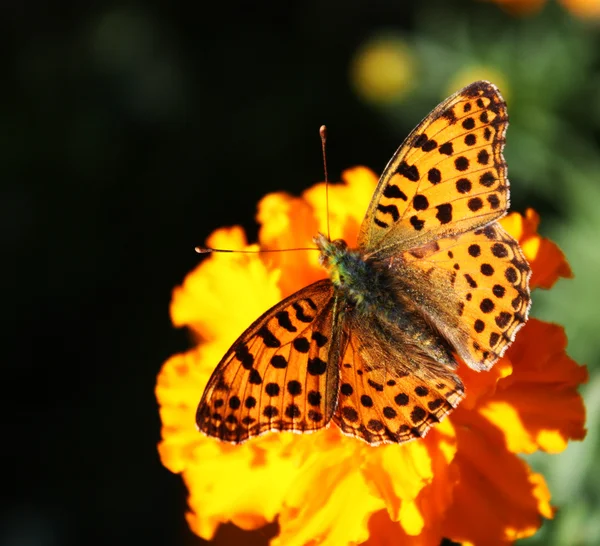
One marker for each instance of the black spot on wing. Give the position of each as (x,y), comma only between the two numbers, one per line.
(255,377)
(392,210)
(449,115)
(429,145)
(463,185)
(408,171)
(444,213)
(279,362)
(316,366)
(300,314)
(319,339)
(244,356)
(301,344)
(283,318)
(417,223)
(394,192)
(446,149)
(268,338)
(434,176)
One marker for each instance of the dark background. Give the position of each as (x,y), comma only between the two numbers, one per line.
(130,131)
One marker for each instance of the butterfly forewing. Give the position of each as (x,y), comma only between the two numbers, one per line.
(389,391)
(448,177)
(278,375)
(474,288)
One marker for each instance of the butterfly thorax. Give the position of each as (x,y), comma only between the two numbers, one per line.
(360,283)
(369,290)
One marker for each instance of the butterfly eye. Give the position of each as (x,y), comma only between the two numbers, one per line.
(340,244)
(324,260)
(331,251)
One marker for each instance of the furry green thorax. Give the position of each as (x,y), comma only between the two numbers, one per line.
(369,289)
(349,273)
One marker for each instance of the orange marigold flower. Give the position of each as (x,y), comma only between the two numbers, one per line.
(464,481)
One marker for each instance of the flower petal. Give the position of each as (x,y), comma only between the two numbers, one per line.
(547,261)
(347,203)
(413,478)
(538,406)
(504,498)
(178,388)
(330,501)
(286,223)
(385,532)
(397,474)
(482,385)
(226,292)
(246,485)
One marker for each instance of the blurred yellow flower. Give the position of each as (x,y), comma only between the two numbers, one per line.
(383,70)
(464,481)
(472,73)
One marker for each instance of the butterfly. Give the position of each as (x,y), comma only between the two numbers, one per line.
(434,279)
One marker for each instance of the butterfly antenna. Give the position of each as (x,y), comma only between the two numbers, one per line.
(208,250)
(323,134)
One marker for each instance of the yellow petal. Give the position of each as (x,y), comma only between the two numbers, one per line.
(330,503)
(225,293)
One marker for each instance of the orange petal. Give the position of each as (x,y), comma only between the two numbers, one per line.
(482,385)
(505,499)
(385,532)
(538,406)
(397,474)
(286,223)
(348,203)
(438,496)
(547,262)
(178,390)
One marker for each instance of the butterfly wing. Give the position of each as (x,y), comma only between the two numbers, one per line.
(473,287)
(431,222)
(448,177)
(281,374)
(390,390)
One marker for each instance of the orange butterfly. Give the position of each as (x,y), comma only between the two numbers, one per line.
(374,347)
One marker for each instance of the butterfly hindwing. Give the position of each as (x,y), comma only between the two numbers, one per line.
(448,177)
(390,392)
(279,374)
(474,287)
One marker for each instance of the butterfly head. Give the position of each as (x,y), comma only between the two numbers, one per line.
(331,251)
(345,267)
